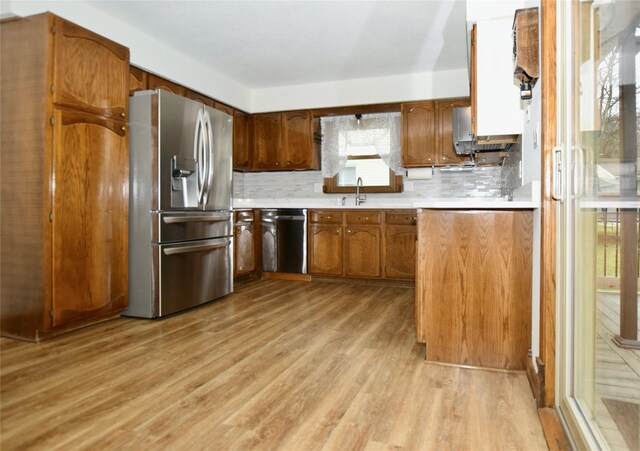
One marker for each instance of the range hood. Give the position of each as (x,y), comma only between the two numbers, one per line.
(466,143)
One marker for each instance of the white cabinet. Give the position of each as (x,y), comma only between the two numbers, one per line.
(498,110)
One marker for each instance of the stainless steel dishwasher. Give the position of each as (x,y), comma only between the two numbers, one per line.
(284,240)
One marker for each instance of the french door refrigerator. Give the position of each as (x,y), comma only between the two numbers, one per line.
(180,226)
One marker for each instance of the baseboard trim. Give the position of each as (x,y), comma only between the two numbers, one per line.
(553,431)
(536,379)
(286,276)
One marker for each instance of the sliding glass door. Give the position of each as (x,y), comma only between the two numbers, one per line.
(598,211)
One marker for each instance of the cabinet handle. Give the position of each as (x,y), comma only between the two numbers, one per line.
(288,163)
(277,164)
(123,128)
(348,231)
(122,114)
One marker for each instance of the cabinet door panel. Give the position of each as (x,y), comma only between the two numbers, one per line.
(400,252)
(90,217)
(193,95)
(297,139)
(266,141)
(245,261)
(362,251)
(325,249)
(241,155)
(222,107)
(137,80)
(156,82)
(473,290)
(446,150)
(91,73)
(418,134)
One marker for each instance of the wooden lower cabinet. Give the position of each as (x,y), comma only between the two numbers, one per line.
(244,243)
(473,286)
(362,251)
(90,207)
(399,252)
(325,249)
(359,243)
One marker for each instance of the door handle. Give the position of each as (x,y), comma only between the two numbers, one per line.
(208,150)
(578,174)
(196,248)
(203,218)
(557,183)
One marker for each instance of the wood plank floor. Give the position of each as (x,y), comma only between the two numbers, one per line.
(278,365)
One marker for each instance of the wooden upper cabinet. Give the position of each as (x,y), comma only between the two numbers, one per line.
(137,80)
(418,134)
(427,133)
(284,141)
(297,140)
(90,209)
(446,151)
(91,73)
(266,141)
(156,82)
(193,95)
(222,107)
(241,155)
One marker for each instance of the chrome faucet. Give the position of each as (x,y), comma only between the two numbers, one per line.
(359,200)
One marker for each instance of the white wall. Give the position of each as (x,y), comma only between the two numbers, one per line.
(419,86)
(145,51)
(531,144)
(156,57)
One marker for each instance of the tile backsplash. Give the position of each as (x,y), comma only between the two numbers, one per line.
(481,181)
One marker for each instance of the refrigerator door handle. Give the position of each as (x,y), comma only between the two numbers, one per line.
(202,218)
(208,151)
(195,248)
(198,155)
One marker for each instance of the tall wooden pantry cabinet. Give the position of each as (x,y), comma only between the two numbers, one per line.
(64,168)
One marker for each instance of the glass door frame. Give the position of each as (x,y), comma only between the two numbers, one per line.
(575,415)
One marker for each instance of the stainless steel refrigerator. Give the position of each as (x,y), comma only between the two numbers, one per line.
(180,225)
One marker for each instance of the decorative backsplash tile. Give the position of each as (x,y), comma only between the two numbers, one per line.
(482,181)
(511,176)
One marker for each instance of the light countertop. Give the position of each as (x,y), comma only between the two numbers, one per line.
(387,203)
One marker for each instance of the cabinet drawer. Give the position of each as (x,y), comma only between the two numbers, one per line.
(364,217)
(244,215)
(401,217)
(326,217)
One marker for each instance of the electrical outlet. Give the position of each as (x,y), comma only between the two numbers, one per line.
(317,187)
(408,186)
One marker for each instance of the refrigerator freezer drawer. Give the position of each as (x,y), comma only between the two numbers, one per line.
(168,278)
(194,273)
(192,226)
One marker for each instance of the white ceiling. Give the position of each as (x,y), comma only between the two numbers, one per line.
(262,44)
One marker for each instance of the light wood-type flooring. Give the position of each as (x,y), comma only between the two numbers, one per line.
(278,365)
